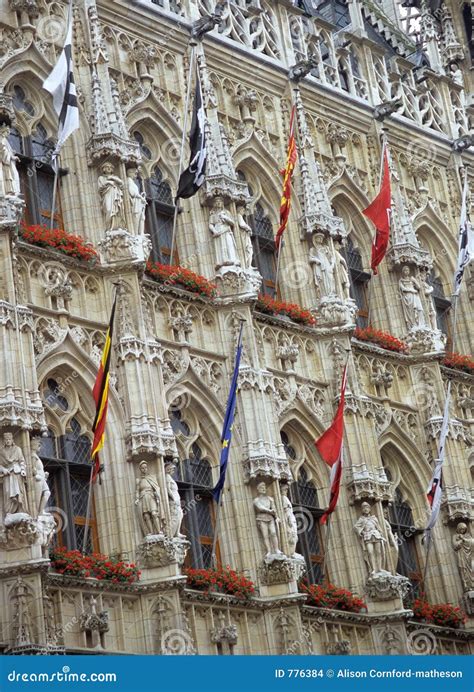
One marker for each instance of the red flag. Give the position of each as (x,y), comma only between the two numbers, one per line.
(379,213)
(287,173)
(329,446)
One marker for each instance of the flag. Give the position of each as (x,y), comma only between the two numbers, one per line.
(101,396)
(193,176)
(435,488)
(330,447)
(466,241)
(228,422)
(379,213)
(287,173)
(60,85)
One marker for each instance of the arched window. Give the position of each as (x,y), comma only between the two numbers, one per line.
(159,210)
(263,241)
(34,168)
(403,528)
(442,305)
(359,281)
(66,457)
(194,478)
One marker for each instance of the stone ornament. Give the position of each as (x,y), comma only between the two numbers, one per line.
(344,278)
(290,523)
(221,227)
(137,202)
(463,547)
(323,263)
(148,501)
(374,543)
(247,236)
(13,475)
(111,197)
(268,522)
(9,178)
(410,292)
(174,501)
(43,492)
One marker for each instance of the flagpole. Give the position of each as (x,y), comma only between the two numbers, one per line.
(277,274)
(383,138)
(183,140)
(219,504)
(88,510)
(326,548)
(55,185)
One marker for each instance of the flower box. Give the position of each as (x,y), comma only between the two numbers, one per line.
(457,361)
(223,580)
(58,239)
(332,597)
(442,614)
(180,276)
(270,306)
(101,567)
(382,339)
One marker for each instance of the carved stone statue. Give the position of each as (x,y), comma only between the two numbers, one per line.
(247,233)
(324,264)
(373,541)
(137,202)
(267,521)
(43,492)
(148,501)
(392,547)
(344,279)
(111,197)
(221,226)
(463,546)
(428,291)
(9,178)
(13,475)
(410,293)
(291,524)
(174,501)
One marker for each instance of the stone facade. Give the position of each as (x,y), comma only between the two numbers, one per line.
(174,350)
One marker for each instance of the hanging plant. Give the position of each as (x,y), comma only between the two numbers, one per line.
(333,597)
(382,339)
(457,361)
(101,567)
(442,614)
(180,276)
(58,239)
(270,306)
(223,580)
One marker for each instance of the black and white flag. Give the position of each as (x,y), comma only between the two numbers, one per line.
(60,85)
(435,488)
(466,241)
(194,175)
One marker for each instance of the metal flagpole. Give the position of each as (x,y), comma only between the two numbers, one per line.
(384,144)
(55,185)
(326,546)
(183,140)
(282,243)
(88,510)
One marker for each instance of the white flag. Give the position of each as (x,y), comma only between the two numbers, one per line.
(60,84)
(466,241)
(435,488)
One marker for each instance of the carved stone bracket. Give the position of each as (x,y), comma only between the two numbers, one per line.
(406,253)
(121,247)
(425,340)
(458,504)
(263,460)
(21,530)
(234,282)
(11,210)
(368,485)
(342,647)
(281,570)
(110,146)
(333,311)
(384,586)
(144,437)
(160,551)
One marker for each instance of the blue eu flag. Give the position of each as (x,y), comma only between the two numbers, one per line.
(228,423)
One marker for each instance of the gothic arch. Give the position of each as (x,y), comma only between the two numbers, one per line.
(438,239)
(298,423)
(349,207)
(410,475)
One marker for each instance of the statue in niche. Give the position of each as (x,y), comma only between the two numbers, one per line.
(13,475)
(137,202)
(221,226)
(43,492)
(374,544)
(111,197)
(174,501)
(392,547)
(344,277)
(428,293)
(148,501)
(247,234)
(267,521)
(410,292)
(9,178)
(324,264)
(291,524)
(462,545)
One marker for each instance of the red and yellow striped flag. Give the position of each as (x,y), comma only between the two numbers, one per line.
(101,396)
(287,173)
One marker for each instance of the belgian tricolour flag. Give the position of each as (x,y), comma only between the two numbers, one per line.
(101,396)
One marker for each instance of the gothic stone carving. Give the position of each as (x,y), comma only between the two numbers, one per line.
(281,570)
(385,586)
(160,551)
(121,247)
